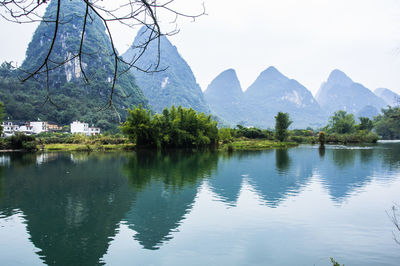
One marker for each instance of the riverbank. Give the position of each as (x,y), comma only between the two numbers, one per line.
(242,144)
(87,147)
(257,144)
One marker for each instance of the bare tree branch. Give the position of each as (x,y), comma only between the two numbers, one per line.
(130,13)
(394,217)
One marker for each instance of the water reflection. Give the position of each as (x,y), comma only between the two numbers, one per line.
(166,186)
(294,168)
(282,160)
(227,181)
(73,204)
(321,151)
(71,210)
(353,168)
(273,177)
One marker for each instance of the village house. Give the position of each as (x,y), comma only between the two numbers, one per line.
(11,128)
(78,127)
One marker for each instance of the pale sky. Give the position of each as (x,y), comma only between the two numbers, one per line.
(304,39)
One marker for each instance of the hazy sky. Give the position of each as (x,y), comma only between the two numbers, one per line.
(304,39)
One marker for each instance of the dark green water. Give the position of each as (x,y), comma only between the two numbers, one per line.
(279,207)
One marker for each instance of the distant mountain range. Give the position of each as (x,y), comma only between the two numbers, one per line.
(173,84)
(272,92)
(339,92)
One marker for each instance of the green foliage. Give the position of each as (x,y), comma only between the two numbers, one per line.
(67,138)
(252,133)
(360,136)
(282,123)
(335,263)
(175,127)
(321,138)
(342,123)
(365,124)
(224,135)
(19,142)
(387,125)
(139,127)
(257,144)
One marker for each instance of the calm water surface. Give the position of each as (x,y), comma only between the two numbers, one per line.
(279,207)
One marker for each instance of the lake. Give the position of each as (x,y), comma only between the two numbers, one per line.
(299,206)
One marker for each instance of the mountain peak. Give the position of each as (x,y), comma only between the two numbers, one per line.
(226,82)
(175,84)
(339,77)
(225,95)
(272,72)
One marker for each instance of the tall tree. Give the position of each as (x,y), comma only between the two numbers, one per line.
(282,123)
(341,122)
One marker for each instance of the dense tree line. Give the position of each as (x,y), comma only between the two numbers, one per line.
(173,128)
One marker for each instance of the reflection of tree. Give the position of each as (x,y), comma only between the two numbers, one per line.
(176,169)
(321,151)
(166,186)
(344,157)
(390,154)
(282,160)
(71,210)
(366,155)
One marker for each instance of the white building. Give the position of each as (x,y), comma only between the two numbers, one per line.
(83,128)
(11,128)
(28,128)
(39,127)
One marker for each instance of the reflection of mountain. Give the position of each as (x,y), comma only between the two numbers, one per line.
(166,187)
(71,210)
(228,180)
(274,174)
(286,175)
(344,171)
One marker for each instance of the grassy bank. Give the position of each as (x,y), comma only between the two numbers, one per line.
(256,144)
(87,147)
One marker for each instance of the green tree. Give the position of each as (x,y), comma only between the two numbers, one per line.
(321,138)
(387,125)
(365,124)
(282,123)
(138,126)
(342,123)
(176,127)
